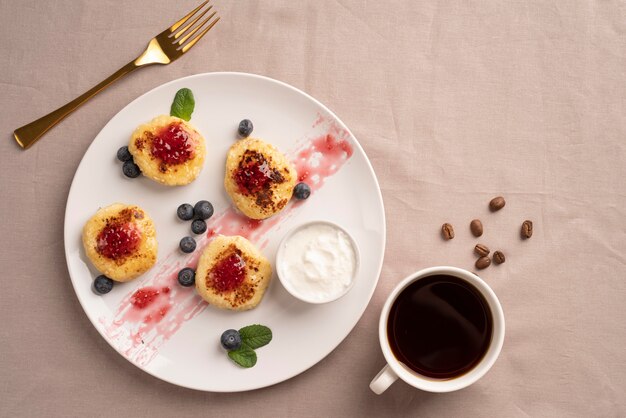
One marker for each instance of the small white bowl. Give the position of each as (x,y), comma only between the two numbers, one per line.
(280,263)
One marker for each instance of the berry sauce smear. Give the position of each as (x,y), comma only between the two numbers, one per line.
(172,145)
(144,297)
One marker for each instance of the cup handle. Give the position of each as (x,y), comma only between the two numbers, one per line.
(383,380)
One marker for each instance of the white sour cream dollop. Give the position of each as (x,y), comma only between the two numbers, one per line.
(318,262)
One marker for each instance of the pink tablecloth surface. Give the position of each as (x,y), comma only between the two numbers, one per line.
(454,103)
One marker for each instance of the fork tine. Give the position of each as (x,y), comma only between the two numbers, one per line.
(190,34)
(193,22)
(191,43)
(186,18)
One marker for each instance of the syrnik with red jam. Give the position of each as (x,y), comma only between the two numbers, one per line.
(172,145)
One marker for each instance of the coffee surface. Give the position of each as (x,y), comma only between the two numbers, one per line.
(440,326)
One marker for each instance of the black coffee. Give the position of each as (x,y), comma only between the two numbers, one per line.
(440,326)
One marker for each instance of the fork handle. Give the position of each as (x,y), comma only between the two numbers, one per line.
(27,135)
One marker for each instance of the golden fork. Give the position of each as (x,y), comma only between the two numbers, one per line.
(164,48)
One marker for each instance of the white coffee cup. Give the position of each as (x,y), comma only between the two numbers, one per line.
(396,369)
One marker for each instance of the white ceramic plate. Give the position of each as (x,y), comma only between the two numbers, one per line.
(183,348)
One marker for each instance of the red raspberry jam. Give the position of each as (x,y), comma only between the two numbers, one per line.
(228,273)
(118,240)
(172,145)
(144,297)
(254,173)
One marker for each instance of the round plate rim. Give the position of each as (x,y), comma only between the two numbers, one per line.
(66,238)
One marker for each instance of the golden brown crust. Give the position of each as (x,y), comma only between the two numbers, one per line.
(129,266)
(140,147)
(269,198)
(256,277)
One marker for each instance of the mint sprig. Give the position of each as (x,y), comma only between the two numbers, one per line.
(255,336)
(183,104)
(243,356)
(252,337)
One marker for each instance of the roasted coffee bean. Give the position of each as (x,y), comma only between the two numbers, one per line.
(483,263)
(447,231)
(497,203)
(482,250)
(498,257)
(476,226)
(527,229)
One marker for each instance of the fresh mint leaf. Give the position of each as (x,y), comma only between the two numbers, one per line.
(183,104)
(255,336)
(243,356)
(252,337)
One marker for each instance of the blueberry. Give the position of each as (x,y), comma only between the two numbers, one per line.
(102,284)
(203,210)
(130,169)
(188,245)
(245,128)
(185,212)
(187,277)
(124,155)
(231,340)
(198,226)
(302,191)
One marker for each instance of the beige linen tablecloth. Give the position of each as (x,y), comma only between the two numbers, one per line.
(454,103)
